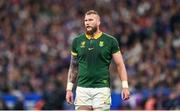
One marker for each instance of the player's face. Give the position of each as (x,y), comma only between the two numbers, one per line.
(91,23)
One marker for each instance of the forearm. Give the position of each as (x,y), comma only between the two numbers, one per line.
(122,72)
(72,73)
(123,75)
(121,69)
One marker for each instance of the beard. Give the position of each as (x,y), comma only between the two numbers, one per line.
(92,31)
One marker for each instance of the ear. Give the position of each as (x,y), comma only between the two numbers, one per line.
(98,22)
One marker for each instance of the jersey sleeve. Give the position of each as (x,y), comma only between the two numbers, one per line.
(73,48)
(115,46)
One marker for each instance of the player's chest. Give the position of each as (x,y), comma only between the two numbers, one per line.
(93,47)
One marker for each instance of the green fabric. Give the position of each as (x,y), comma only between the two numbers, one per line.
(94,57)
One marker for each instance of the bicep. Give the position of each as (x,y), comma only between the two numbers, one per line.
(73,62)
(117,57)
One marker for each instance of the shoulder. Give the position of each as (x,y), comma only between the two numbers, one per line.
(109,37)
(79,37)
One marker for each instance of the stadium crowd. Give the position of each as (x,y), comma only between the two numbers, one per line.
(36,36)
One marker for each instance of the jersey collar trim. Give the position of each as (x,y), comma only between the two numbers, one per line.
(96,36)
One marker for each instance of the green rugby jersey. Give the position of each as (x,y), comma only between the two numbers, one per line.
(94,57)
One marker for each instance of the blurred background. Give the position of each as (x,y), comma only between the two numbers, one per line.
(35,41)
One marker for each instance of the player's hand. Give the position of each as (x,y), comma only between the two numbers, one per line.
(125,93)
(69,96)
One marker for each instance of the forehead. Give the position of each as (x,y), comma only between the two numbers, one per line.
(91,16)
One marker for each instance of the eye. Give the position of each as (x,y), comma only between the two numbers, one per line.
(88,20)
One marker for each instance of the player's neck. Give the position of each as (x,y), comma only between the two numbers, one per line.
(95,33)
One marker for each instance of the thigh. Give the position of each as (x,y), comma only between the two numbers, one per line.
(102,99)
(82,98)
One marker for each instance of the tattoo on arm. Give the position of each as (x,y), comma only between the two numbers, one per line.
(73,70)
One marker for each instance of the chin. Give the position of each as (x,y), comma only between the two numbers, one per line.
(91,31)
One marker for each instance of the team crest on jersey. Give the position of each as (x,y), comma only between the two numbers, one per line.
(101,43)
(83,44)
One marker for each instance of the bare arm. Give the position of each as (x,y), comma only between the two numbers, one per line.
(73,72)
(120,66)
(72,75)
(122,74)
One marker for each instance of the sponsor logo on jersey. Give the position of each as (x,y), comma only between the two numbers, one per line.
(90,48)
(83,44)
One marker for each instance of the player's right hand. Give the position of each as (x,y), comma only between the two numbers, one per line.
(69,96)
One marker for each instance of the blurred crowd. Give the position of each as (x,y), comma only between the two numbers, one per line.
(36,36)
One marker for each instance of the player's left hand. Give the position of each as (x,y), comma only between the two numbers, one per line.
(125,93)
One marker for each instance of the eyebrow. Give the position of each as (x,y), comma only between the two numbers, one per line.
(88,19)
